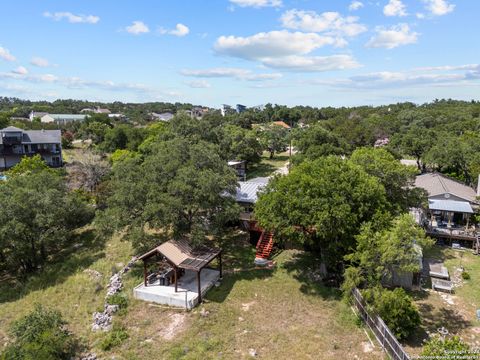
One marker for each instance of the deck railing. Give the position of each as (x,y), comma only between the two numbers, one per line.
(381,331)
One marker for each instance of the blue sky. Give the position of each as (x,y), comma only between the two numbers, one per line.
(294,52)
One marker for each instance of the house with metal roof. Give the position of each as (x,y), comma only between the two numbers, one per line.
(450,206)
(16,143)
(62,118)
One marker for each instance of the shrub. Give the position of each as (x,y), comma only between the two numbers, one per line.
(465,275)
(114,338)
(436,346)
(42,334)
(396,308)
(118,299)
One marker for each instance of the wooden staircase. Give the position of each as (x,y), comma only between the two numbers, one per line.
(265,245)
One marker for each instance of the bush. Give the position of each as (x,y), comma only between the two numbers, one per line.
(465,275)
(118,299)
(439,347)
(114,338)
(42,334)
(396,308)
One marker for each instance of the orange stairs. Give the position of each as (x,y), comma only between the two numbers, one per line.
(265,245)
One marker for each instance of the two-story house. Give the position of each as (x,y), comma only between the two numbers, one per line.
(16,143)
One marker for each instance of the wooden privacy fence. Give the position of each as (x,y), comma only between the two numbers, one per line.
(383,334)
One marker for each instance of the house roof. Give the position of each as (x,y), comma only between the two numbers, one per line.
(247,191)
(437,184)
(182,255)
(67,116)
(282,124)
(11,129)
(36,136)
(450,205)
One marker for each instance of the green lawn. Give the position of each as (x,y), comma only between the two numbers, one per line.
(267,166)
(281,313)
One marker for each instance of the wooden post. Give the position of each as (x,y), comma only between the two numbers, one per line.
(220,263)
(199,287)
(176,279)
(145,273)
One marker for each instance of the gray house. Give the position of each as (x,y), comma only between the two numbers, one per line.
(16,143)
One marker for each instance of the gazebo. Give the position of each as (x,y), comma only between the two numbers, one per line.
(181,256)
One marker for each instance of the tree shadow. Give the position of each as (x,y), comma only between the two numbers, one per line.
(434,318)
(306,269)
(260,170)
(86,249)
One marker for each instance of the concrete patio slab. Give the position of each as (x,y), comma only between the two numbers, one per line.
(187,295)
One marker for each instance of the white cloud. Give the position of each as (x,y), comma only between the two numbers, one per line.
(6,55)
(72,18)
(313,63)
(180,30)
(271,44)
(438,7)
(257,3)
(285,50)
(40,62)
(199,84)
(236,73)
(20,70)
(392,37)
(332,23)
(449,67)
(441,76)
(137,28)
(420,15)
(395,8)
(355,5)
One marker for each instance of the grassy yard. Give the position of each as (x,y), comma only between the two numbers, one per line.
(281,313)
(267,166)
(457,312)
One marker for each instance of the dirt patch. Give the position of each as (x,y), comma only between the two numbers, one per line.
(176,325)
(367,347)
(246,306)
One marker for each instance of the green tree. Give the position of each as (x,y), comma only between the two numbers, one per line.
(30,165)
(384,247)
(274,138)
(396,178)
(322,203)
(184,189)
(316,141)
(41,334)
(36,218)
(453,346)
(240,144)
(396,308)
(416,142)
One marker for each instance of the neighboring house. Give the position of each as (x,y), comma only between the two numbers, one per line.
(16,143)
(226,110)
(381,142)
(240,108)
(166,116)
(450,206)
(282,124)
(33,115)
(247,195)
(240,166)
(61,118)
(97,110)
